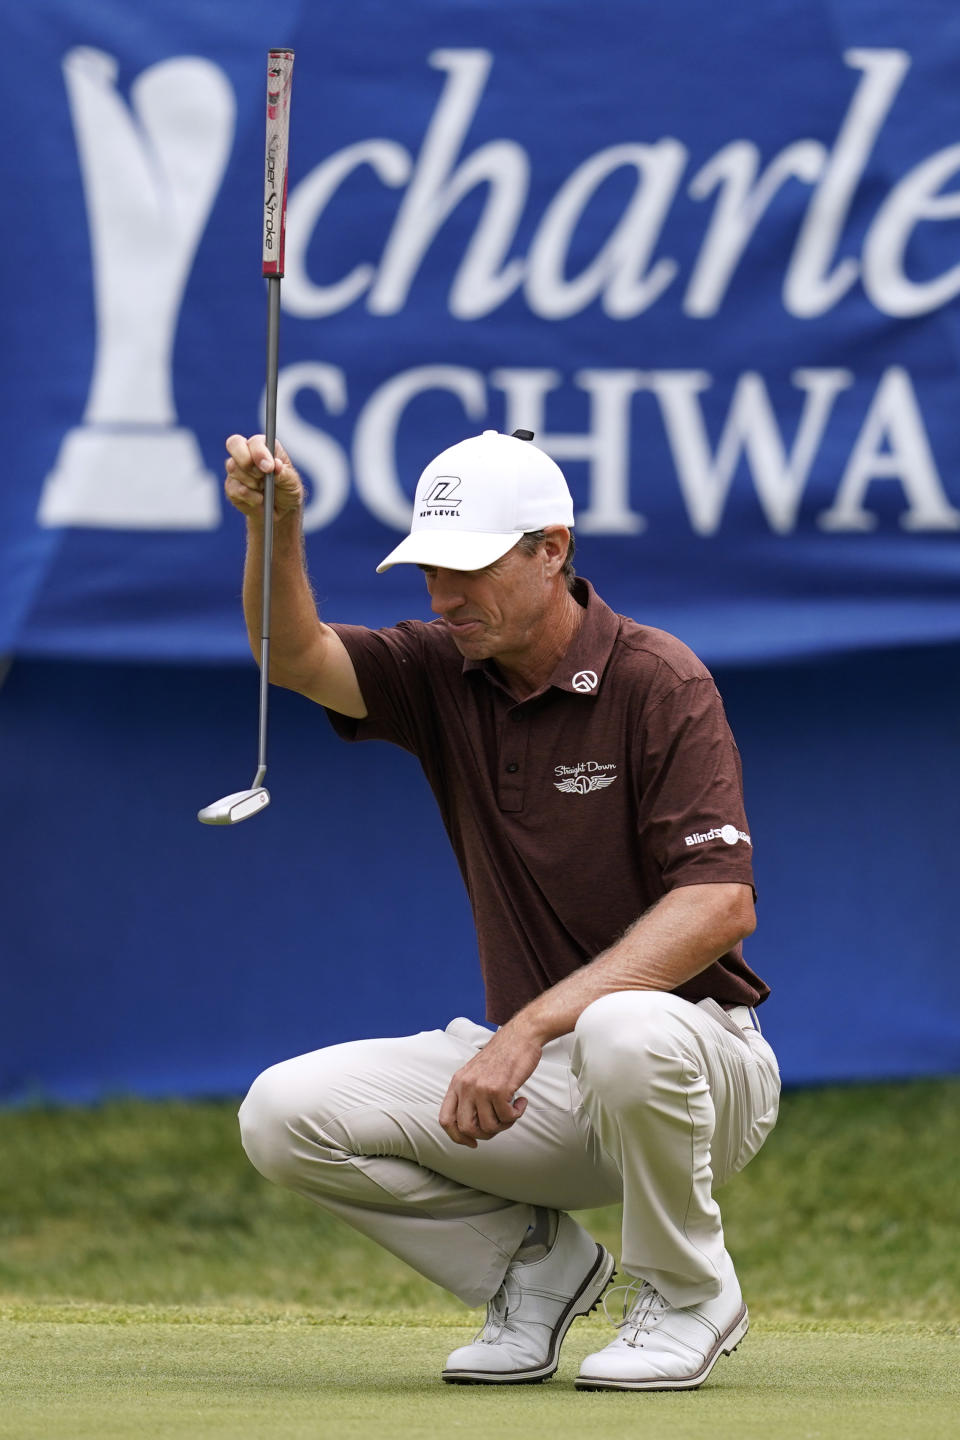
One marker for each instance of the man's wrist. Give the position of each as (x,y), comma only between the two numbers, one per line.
(281,523)
(530,1025)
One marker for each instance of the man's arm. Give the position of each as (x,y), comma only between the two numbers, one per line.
(677,938)
(305,654)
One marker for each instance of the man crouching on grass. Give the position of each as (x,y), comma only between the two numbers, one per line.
(591,790)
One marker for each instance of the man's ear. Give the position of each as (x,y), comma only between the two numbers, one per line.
(556,542)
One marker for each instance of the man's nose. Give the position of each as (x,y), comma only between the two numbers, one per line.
(446,593)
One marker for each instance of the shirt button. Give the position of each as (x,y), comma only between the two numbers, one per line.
(517,716)
(512,768)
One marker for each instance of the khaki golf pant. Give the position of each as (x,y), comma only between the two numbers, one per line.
(653,1100)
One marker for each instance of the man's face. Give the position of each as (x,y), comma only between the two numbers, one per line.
(496,613)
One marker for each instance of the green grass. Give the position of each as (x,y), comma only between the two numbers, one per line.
(284,1381)
(152,1283)
(849,1212)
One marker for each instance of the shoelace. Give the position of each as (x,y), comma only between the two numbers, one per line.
(641,1314)
(498,1310)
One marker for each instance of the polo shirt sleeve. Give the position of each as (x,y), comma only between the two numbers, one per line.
(391,672)
(691,813)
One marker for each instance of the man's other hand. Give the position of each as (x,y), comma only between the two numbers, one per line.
(482,1100)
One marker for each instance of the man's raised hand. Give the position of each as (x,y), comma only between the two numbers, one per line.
(248,460)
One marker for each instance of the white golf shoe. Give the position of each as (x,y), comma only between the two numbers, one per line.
(661,1347)
(532,1312)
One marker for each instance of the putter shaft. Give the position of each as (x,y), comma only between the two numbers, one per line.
(269,491)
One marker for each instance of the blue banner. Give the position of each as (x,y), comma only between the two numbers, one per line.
(710,256)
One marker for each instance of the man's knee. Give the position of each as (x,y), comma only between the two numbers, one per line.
(263,1126)
(296,1111)
(625,1041)
(280,1116)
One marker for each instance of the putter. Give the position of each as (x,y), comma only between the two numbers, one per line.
(244,803)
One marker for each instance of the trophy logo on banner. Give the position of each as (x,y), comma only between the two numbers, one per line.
(150,177)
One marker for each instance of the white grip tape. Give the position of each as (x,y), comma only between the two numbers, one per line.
(279,80)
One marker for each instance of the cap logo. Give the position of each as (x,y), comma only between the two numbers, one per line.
(441,494)
(584,681)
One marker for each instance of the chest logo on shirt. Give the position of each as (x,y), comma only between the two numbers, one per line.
(586,776)
(584,681)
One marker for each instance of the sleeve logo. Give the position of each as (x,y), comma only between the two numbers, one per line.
(729,834)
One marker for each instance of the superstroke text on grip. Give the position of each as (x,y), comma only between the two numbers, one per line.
(279,78)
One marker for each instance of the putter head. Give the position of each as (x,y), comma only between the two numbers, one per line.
(234,808)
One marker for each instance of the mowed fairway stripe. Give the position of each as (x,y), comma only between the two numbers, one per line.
(261,1381)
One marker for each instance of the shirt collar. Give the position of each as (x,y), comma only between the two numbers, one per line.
(580,671)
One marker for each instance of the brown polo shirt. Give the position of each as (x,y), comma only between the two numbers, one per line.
(574,810)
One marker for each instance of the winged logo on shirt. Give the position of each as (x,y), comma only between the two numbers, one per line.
(583,784)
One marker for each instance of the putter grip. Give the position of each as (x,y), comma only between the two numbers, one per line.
(279,80)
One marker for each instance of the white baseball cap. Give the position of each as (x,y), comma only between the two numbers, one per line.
(477,498)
